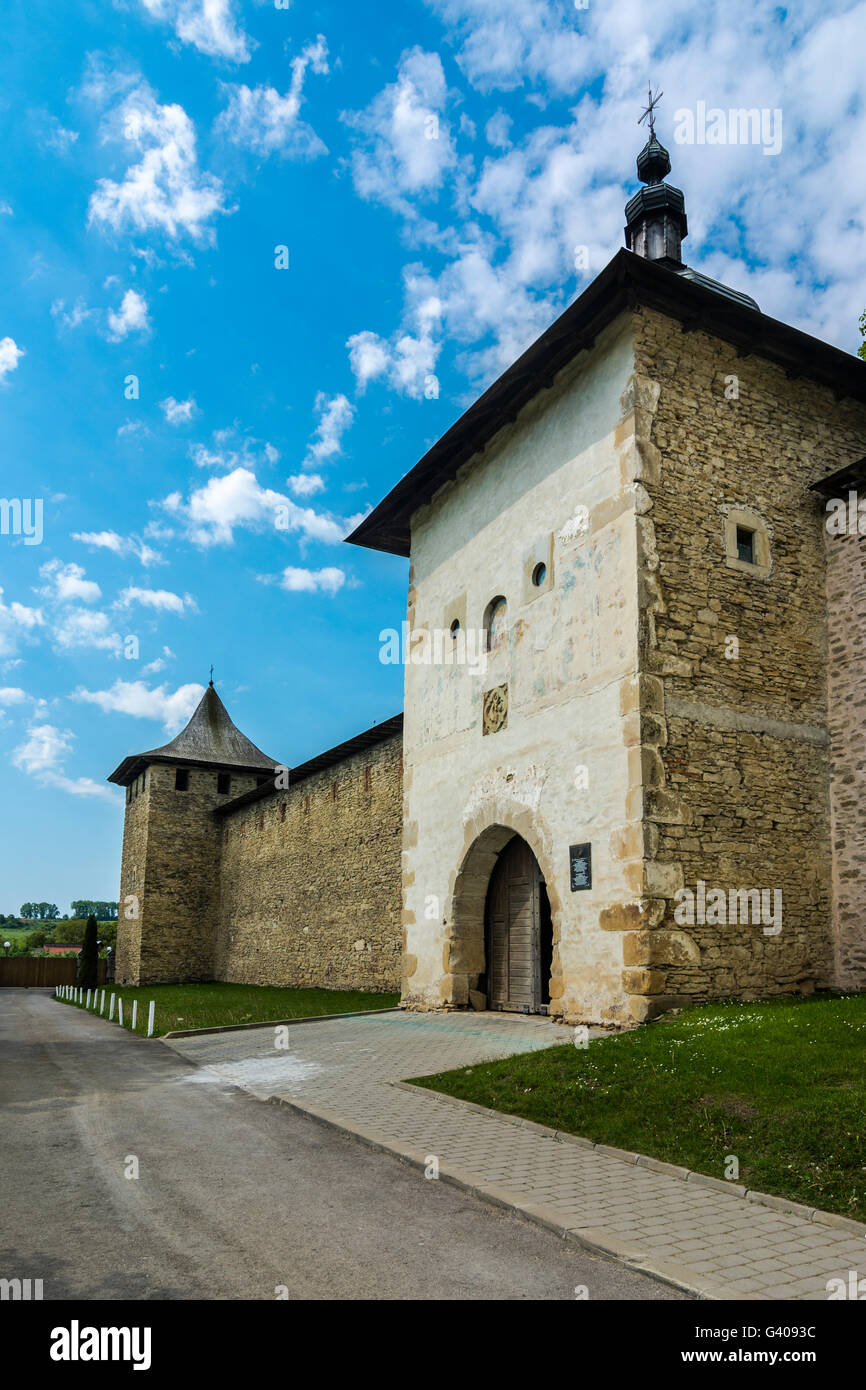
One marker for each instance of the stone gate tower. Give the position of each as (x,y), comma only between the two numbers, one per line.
(169,883)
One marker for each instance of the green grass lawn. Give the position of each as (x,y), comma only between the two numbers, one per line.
(217,1005)
(780,1084)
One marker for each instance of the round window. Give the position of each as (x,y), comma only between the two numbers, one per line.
(455,628)
(539,574)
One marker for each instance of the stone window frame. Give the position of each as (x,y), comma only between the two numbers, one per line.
(749,520)
(540,554)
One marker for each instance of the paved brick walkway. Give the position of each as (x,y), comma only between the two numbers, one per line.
(349,1071)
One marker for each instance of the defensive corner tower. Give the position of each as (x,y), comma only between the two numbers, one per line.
(169,882)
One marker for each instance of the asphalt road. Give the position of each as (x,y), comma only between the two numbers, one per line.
(233,1197)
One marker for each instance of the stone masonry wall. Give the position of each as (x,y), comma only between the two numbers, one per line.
(846,606)
(733,665)
(133,859)
(310,884)
(170,866)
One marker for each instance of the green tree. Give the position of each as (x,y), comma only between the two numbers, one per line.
(27,910)
(87,961)
(68,934)
(861,351)
(86,907)
(36,939)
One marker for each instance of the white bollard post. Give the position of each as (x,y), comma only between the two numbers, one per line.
(111,1009)
(102,1005)
(120,1012)
(150,1018)
(134,1013)
(87,1000)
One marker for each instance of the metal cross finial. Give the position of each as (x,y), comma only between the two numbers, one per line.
(649,111)
(211,675)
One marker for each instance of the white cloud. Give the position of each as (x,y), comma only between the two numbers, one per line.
(237,500)
(306,484)
(325,581)
(17,623)
(13,695)
(10,353)
(335,416)
(71,318)
(85,627)
(403,146)
(102,540)
(160,663)
(131,317)
(67,583)
(529,40)
(165,190)
(406,360)
(496,131)
(161,599)
(178,412)
(209,25)
(261,120)
(54,136)
(171,707)
(220,455)
(119,545)
(43,756)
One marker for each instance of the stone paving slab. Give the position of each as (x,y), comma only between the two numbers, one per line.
(349,1072)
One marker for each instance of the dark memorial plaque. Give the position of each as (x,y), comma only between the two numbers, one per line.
(580,857)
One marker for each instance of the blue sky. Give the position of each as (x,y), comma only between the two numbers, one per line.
(431,169)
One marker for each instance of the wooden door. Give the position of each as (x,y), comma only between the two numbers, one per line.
(513,931)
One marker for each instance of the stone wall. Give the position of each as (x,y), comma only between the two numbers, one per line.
(733,660)
(132,866)
(171,852)
(846,605)
(310,881)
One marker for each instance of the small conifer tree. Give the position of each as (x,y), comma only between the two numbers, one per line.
(88,960)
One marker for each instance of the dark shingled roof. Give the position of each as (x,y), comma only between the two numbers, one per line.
(210,738)
(389,728)
(853,475)
(626,282)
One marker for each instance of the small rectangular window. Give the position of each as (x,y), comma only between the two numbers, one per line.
(745,545)
(181,780)
(224,783)
(366,779)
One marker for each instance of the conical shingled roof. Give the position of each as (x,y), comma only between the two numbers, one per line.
(210,738)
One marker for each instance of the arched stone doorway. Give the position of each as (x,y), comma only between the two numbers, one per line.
(518,936)
(502,935)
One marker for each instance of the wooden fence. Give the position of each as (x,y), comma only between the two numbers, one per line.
(41,972)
